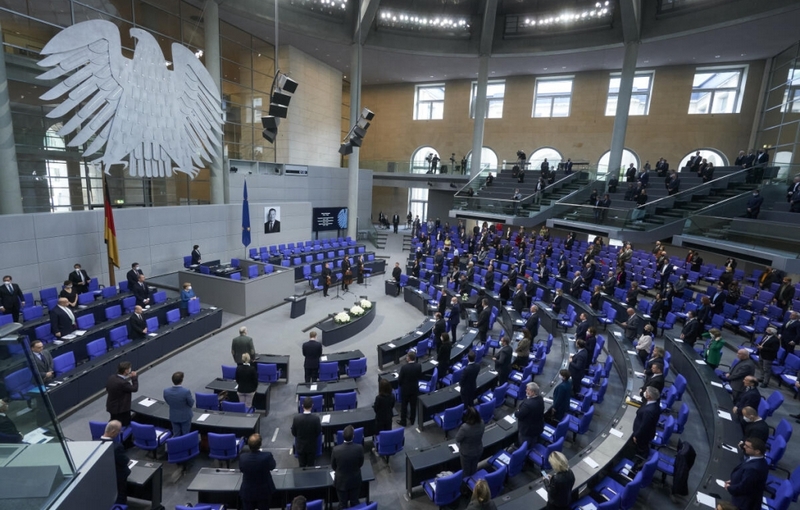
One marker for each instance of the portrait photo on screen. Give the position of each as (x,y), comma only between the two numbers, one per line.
(272,219)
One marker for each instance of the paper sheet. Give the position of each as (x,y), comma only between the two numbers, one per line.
(147,402)
(725,415)
(203,417)
(631,352)
(457,387)
(391,346)
(453,447)
(459,346)
(715,383)
(705,499)
(677,340)
(326,418)
(616,432)
(729,448)
(434,362)
(790,377)
(324,358)
(152,334)
(589,506)
(542,492)
(510,419)
(395,374)
(721,483)
(80,332)
(700,362)
(132,463)
(417,332)
(36,436)
(313,387)
(640,375)
(592,464)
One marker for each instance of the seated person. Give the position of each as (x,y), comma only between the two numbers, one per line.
(70,294)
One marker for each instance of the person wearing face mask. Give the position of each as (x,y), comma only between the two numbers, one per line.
(754,204)
(187,294)
(753,425)
(68,292)
(80,279)
(133,275)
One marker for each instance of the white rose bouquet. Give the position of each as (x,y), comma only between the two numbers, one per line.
(366,304)
(341,318)
(356,311)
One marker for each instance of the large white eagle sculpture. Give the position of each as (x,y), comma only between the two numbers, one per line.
(146,116)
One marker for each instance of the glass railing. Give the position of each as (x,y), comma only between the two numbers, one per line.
(31,437)
(607,216)
(405,167)
(754,235)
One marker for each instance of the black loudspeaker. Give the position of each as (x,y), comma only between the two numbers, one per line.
(356,141)
(367,114)
(287,84)
(270,134)
(277,110)
(359,132)
(282,99)
(270,122)
(345,149)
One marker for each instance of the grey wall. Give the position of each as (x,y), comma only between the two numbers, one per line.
(439,205)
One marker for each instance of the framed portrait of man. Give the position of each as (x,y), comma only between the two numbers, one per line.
(272,220)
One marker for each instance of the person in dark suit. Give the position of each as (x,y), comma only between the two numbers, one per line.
(558,301)
(749,478)
(469,380)
(180,402)
(768,352)
(443,355)
(395,222)
(469,440)
(439,327)
(750,397)
(408,382)
(745,367)
(346,461)
(654,380)
(80,279)
(242,344)
(483,321)
(790,336)
(785,294)
(68,291)
(133,275)
(561,396)
(324,279)
(718,300)
(532,324)
(502,362)
(576,285)
(591,342)
(257,485)
(632,325)
(196,258)
(519,300)
(383,406)
(7,426)
(312,352)
(43,360)
(754,204)
(691,329)
(119,388)
(488,278)
(559,484)
(121,460)
(582,327)
(11,298)
(272,225)
(137,325)
(646,421)
(62,320)
(578,364)
(306,428)
(397,273)
(753,425)
(530,416)
(454,318)
(141,292)
(673,184)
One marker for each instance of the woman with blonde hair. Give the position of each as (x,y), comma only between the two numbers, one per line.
(560,483)
(481,497)
(246,380)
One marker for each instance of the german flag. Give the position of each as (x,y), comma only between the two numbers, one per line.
(110,234)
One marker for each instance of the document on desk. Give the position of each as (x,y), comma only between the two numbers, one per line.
(729,448)
(640,375)
(152,334)
(326,418)
(615,432)
(132,463)
(324,358)
(590,461)
(457,388)
(147,402)
(417,333)
(705,499)
(510,419)
(391,345)
(700,362)
(395,375)
(36,436)
(313,387)
(677,340)
(203,417)
(80,332)
(724,414)
(453,447)
(718,385)
(459,346)
(434,362)
(542,492)
(547,400)
(67,337)
(631,352)
(792,378)
(333,475)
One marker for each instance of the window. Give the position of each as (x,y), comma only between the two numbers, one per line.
(791,96)
(783,160)
(640,94)
(488,159)
(552,156)
(711,155)
(628,157)
(717,90)
(420,161)
(418,197)
(429,102)
(552,97)
(495,90)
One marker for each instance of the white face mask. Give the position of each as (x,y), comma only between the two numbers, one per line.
(136,268)
(188,288)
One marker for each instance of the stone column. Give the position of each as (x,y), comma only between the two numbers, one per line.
(10,192)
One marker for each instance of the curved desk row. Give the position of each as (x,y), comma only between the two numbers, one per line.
(333,333)
(393,350)
(457,352)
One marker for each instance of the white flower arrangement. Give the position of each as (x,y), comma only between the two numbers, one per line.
(366,304)
(356,311)
(341,318)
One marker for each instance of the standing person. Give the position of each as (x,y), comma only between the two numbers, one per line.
(469,440)
(347,274)
(502,362)
(713,353)
(325,278)
(257,485)
(454,319)
(632,325)
(443,355)
(530,416)
(119,388)
(346,461)
(469,380)
(246,381)
(483,321)
(644,344)
(383,406)
(11,298)
(62,320)
(396,274)
(646,421)
(242,344)
(43,360)
(141,291)
(481,497)
(312,352)
(767,353)
(360,269)
(180,402)
(561,396)
(691,329)
(133,275)
(559,484)
(196,258)
(137,325)
(754,204)
(578,364)
(121,460)
(745,367)
(306,429)
(395,222)
(749,478)
(80,279)
(439,327)
(408,381)
(187,294)
(532,324)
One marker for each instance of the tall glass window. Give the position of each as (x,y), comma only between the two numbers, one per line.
(717,90)
(640,95)
(429,102)
(711,155)
(495,92)
(791,95)
(488,159)
(552,97)
(628,157)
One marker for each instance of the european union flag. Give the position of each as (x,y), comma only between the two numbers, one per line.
(245,219)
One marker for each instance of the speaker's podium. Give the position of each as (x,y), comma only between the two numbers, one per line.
(391,287)
(298,306)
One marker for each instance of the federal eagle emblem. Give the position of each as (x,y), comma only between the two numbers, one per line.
(134,112)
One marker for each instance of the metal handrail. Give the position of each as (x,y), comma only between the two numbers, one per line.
(694,190)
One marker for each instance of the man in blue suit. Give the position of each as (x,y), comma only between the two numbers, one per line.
(257,485)
(180,403)
(454,318)
(749,478)
(646,422)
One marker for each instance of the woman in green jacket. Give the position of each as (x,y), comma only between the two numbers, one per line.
(714,351)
